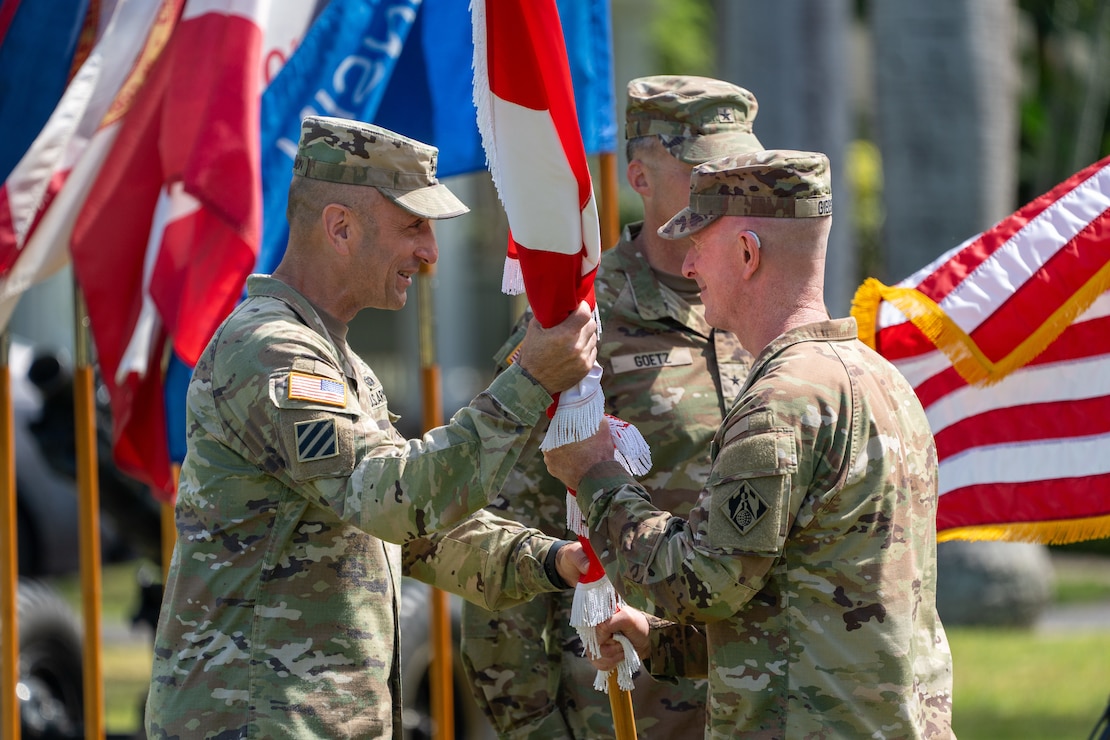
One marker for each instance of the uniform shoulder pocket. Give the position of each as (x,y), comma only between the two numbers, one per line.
(749,492)
(314,424)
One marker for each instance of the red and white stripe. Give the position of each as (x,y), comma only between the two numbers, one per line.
(1006,340)
(41,197)
(526,115)
(172,226)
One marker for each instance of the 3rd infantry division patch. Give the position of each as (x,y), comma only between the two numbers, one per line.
(316,440)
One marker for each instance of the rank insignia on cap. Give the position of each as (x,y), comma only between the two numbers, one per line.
(745,508)
(316,440)
(317,388)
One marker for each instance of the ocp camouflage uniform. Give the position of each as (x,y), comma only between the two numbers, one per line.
(294,485)
(810,557)
(672,375)
(810,554)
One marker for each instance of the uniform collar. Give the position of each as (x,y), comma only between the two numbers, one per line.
(654,300)
(832,330)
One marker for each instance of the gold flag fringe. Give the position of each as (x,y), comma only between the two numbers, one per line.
(966,357)
(1056,532)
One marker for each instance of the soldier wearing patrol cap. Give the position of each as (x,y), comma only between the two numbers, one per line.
(280,615)
(666,371)
(806,573)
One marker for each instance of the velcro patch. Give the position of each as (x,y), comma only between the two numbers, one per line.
(746,507)
(317,388)
(316,440)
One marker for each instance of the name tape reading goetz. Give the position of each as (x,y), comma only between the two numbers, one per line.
(648,360)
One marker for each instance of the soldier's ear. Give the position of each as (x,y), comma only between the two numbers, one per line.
(337,219)
(637,177)
(749,245)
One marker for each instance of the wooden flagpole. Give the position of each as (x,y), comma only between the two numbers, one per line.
(610,205)
(442,694)
(88,510)
(620,701)
(9,555)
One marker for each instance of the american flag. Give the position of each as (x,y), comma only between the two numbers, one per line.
(1006,339)
(317,388)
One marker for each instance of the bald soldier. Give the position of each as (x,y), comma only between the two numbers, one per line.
(668,372)
(280,615)
(806,573)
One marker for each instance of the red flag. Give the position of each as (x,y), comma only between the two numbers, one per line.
(526,114)
(190,142)
(1006,340)
(41,198)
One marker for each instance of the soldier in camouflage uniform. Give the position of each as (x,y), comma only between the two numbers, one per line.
(280,615)
(666,371)
(806,573)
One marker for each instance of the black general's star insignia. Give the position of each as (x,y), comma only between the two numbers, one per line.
(745,508)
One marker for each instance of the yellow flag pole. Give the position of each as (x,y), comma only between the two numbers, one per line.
(9,555)
(88,510)
(443,709)
(620,701)
(169,527)
(610,207)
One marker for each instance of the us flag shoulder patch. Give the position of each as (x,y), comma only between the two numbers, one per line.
(316,440)
(305,387)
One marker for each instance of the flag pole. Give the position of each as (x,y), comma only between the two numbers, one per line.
(443,709)
(610,206)
(88,510)
(9,555)
(620,700)
(169,525)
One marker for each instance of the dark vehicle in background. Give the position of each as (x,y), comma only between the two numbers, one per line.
(50,687)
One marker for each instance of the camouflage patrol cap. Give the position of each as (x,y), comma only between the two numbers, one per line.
(775,183)
(697,118)
(356,153)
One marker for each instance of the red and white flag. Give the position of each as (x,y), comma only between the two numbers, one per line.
(188,153)
(1006,340)
(41,197)
(527,118)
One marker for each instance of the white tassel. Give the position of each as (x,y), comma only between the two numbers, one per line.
(483,95)
(626,669)
(512,278)
(632,450)
(593,603)
(575,521)
(579,413)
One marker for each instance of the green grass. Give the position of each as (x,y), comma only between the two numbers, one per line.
(125,663)
(1022,685)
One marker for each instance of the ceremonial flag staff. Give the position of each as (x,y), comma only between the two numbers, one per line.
(9,580)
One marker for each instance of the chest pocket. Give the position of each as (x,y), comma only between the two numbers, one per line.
(749,493)
(315,429)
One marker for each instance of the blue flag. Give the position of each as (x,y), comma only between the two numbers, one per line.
(35,59)
(420,66)
(430,95)
(339,69)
